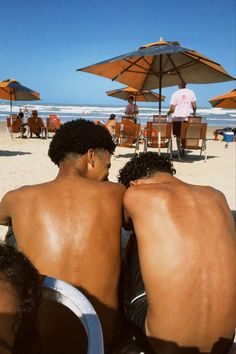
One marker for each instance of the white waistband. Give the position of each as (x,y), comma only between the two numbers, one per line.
(138,297)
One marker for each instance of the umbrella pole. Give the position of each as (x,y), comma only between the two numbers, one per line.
(159,125)
(11,111)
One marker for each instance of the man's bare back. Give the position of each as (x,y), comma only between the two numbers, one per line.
(70,228)
(187,250)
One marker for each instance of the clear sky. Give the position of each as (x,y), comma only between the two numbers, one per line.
(42,43)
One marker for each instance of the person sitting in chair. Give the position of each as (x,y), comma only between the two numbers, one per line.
(111,125)
(36,125)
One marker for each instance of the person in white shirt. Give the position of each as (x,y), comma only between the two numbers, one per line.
(182,104)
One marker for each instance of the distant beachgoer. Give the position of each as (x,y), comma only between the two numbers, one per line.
(182,103)
(186,244)
(70,227)
(23,125)
(26,113)
(19,301)
(111,125)
(21,114)
(36,125)
(131,109)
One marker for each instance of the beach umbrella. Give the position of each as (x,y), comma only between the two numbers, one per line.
(12,90)
(141,96)
(160,64)
(228,100)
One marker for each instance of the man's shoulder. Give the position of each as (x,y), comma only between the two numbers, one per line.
(24,190)
(12,195)
(114,186)
(136,191)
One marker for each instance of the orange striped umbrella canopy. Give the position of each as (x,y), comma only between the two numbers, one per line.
(141,96)
(228,100)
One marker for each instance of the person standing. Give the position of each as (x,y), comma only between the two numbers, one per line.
(131,109)
(182,104)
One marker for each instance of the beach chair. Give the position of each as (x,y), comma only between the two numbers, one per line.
(67,322)
(14,125)
(52,124)
(156,118)
(127,134)
(129,119)
(192,137)
(195,119)
(151,139)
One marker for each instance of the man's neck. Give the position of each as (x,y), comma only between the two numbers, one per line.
(160,178)
(72,168)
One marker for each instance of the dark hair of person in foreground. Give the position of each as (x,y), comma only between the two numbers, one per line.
(144,165)
(18,271)
(77,137)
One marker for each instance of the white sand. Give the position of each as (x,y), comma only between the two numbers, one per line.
(25,161)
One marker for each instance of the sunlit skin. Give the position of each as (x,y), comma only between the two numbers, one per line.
(70,229)
(187,249)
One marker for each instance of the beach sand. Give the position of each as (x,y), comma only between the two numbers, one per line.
(25,161)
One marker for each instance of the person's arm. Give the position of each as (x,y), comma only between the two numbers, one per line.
(127,220)
(5,217)
(194,107)
(171,110)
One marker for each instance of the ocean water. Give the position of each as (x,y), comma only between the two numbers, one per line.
(213,116)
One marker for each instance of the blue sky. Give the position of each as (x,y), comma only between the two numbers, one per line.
(42,43)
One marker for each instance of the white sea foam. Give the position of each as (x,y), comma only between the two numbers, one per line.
(214,116)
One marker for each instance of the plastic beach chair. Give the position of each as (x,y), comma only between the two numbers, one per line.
(151,140)
(14,125)
(64,305)
(52,124)
(127,134)
(192,137)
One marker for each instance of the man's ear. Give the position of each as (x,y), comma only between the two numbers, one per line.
(134,183)
(91,157)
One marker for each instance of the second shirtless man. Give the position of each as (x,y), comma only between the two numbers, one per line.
(187,249)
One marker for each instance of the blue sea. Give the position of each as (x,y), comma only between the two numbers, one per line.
(213,116)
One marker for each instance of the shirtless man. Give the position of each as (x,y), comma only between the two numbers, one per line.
(187,250)
(70,226)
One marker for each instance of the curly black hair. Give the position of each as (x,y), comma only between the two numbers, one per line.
(78,136)
(18,271)
(144,165)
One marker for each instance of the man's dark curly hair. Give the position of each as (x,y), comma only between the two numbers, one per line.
(18,271)
(144,165)
(78,136)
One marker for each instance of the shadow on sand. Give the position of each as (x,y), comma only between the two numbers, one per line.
(187,158)
(8,153)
